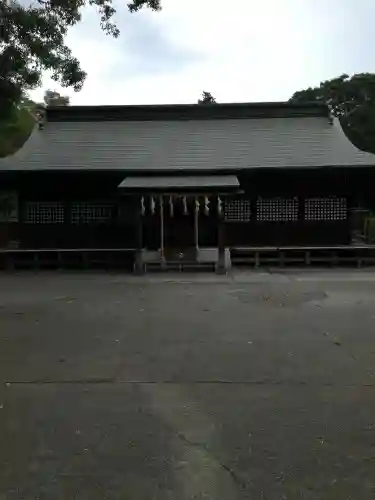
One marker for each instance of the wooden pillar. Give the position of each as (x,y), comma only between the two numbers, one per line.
(302,236)
(162,253)
(220,265)
(20,220)
(138,265)
(356,223)
(196,226)
(67,238)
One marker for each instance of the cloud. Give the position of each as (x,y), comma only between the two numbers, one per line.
(241,51)
(143,47)
(149,49)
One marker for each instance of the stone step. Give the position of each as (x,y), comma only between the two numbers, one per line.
(179,266)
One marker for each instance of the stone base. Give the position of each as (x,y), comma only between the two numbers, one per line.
(204,256)
(223,263)
(139,267)
(207,255)
(220,269)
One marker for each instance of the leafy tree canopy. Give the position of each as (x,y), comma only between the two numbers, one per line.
(15,131)
(32,39)
(352,100)
(53,98)
(207,98)
(22,118)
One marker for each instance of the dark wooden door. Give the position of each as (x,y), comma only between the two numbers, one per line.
(179,231)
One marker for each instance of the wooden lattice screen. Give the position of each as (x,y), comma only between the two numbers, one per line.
(86,213)
(44,213)
(237,210)
(329,208)
(277,209)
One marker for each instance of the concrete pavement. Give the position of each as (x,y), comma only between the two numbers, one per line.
(254,385)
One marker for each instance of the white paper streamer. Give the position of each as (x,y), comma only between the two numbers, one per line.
(185,205)
(219,205)
(143,208)
(152,205)
(206,206)
(197,205)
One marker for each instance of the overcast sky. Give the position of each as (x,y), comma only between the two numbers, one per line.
(244,50)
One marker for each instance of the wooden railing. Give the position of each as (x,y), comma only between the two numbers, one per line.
(347,255)
(75,258)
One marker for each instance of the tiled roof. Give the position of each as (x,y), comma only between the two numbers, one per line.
(188,145)
(180,182)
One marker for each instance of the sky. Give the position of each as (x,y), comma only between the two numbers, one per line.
(240,51)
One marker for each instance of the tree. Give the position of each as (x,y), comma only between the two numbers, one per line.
(53,98)
(32,39)
(16,130)
(21,121)
(352,100)
(207,98)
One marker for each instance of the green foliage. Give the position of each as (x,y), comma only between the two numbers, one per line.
(352,99)
(369,229)
(16,130)
(53,98)
(137,5)
(19,125)
(32,39)
(207,98)
(7,205)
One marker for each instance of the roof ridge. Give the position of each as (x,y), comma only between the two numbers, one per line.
(186,111)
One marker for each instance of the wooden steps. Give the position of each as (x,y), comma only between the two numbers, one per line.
(180,266)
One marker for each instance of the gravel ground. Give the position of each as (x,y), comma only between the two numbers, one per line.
(255,385)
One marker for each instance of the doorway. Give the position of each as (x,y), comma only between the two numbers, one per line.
(179,229)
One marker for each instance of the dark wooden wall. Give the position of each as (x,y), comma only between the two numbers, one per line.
(357,185)
(119,231)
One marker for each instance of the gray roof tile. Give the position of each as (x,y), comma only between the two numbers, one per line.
(185,181)
(141,146)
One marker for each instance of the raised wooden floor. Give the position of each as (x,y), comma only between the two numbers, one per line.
(124,258)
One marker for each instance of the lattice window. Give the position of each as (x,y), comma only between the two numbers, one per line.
(86,213)
(237,210)
(44,213)
(329,208)
(277,209)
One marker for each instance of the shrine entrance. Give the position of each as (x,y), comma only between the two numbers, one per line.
(180,227)
(178,204)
